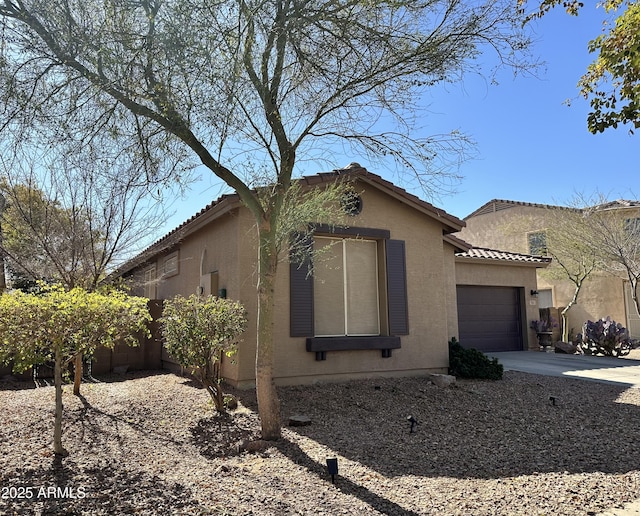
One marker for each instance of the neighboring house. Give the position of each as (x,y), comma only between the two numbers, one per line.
(521,227)
(381,302)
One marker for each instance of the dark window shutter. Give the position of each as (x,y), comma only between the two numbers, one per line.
(397,288)
(300,298)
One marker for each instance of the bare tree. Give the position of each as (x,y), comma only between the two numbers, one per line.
(226,81)
(574,256)
(595,234)
(71,222)
(615,235)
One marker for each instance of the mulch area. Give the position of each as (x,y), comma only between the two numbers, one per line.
(150,443)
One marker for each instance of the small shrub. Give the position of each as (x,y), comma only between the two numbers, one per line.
(471,363)
(544,325)
(197,331)
(606,337)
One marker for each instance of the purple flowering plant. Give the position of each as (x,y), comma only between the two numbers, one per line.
(543,325)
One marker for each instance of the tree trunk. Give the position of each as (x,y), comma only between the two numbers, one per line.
(633,285)
(268,402)
(563,314)
(216,395)
(77,374)
(57,428)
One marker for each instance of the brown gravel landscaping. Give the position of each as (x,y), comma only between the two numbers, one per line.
(149,443)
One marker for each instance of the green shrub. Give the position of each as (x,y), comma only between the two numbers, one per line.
(471,363)
(197,331)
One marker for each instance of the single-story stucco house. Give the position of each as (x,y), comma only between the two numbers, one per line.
(384,301)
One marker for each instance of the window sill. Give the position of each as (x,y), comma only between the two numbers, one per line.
(320,345)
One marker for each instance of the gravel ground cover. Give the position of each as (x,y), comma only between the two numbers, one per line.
(149,443)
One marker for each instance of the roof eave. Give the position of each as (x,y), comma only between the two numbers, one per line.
(498,261)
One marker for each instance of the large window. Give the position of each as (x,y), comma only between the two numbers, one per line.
(356,297)
(171,265)
(632,227)
(150,282)
(345,288)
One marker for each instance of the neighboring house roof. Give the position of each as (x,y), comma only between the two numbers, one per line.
(228,202)
(481,253)
(495,205)
(620,203)
(502,204)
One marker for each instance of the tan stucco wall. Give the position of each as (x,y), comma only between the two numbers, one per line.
(425,349)
(601,295)
(505,230)
(499,274)
(451,297)
(430,296)
(220,246)
(214,247)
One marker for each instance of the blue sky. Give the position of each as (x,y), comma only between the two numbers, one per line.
(531,146)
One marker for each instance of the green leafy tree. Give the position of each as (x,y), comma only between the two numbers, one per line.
(198,331)
(58,326)
(612,80)
(274,80)
(43,241)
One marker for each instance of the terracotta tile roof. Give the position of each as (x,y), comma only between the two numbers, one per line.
(481,253)
(619,203)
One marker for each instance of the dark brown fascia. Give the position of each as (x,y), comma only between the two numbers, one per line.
(458,244)
(356,172)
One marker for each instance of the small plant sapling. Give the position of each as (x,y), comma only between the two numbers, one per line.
(57,325)
(198,331)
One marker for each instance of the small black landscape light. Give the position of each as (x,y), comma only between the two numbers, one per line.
(413,422)
(552,399)
(332,468)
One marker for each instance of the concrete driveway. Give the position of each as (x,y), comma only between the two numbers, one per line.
(620,371)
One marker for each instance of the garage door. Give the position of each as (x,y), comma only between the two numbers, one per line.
(490,318)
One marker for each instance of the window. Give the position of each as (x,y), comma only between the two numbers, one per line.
(537,243)
(357,297)
(545,298)
(345,287)
(150,282)
(170,267)
(632,226)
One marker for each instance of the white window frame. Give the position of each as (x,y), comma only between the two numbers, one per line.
(149,284)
